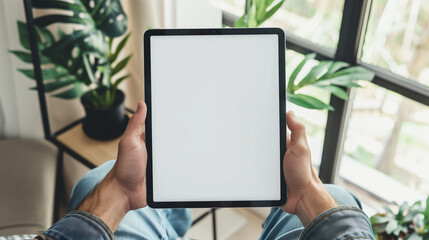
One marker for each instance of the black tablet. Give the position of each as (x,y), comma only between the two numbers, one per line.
(215,126)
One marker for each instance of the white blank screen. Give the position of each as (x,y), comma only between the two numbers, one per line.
(215,118)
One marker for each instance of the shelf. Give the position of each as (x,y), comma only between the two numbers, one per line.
(94,151)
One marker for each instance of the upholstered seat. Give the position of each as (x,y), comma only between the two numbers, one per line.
(27,186)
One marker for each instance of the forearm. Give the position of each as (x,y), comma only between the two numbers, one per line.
(97,217)
(316,200)
(107,202)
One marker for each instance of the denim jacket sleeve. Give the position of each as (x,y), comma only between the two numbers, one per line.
(339,223)
(78,225)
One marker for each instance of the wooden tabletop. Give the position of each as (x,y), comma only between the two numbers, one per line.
(96,152)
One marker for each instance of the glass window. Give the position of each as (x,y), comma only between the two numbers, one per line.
(235,7)
(397,38)
(386,149)
(314,120)
(317,21)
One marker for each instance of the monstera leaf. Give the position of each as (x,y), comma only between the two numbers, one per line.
(65,59)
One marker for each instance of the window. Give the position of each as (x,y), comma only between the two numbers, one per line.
(386,143)
(380,138)
(316,21)
(397,38)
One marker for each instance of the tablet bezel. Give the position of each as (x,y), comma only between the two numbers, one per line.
(148,123)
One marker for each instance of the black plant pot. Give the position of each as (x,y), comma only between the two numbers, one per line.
(105,124)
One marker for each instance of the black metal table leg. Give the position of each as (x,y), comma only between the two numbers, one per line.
(213,210)
(58,185)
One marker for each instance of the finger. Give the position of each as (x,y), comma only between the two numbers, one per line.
(287,140)
(134,127)
(296,127)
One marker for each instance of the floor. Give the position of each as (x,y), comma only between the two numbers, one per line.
(232,223)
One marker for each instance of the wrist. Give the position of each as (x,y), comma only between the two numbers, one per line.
(107,202)
(315,201)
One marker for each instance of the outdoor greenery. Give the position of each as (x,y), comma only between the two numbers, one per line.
(409,222)
(85,56)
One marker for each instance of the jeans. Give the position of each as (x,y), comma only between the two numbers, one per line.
(148,223)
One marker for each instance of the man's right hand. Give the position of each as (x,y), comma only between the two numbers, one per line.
(307,196)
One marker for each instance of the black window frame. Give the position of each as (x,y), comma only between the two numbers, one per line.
(352,33)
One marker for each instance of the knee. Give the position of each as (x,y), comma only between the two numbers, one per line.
(343,196)
(85,185)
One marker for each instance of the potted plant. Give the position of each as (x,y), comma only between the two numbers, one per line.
(84,63)
(408,222)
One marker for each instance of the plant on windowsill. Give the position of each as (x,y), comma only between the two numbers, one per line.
(83,63)
(409,222)
(330,76)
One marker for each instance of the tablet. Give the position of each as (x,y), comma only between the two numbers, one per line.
(215,125)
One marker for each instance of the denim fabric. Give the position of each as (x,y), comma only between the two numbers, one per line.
(79,225)
(344,222)
(143,223)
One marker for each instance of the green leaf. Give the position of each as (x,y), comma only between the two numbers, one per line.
(74,92)
(47,20)
(315,73)
(27,58)
(239,23)
(338,92)
(252,22)
(23,35)
(260,8)
(376,219)
(334,68)
(345,81)
(119,48)
(414,236)
(47,74)
(88,68)
(391,226)
(46,4)
(27,72)
(119,80)
(426,215)
(270,12)
(121,65)
(297,70)
(48,37)
(53,86)
(307,101)
(355,73)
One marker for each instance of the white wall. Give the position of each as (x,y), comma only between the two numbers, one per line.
(20,106)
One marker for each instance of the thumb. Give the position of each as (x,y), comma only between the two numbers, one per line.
(134,127)
(296,127)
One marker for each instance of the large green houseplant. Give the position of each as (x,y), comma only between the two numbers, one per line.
(330,76)
(85,62)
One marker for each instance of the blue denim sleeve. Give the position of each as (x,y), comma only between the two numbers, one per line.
(79,225)
(339,223)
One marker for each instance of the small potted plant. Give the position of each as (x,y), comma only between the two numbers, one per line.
(408,222)
(84,63)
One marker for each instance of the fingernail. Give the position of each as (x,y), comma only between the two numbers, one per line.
(138,107)
(292,113)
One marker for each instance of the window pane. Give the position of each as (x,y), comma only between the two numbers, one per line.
(235,7)
(314,120)
(317,21)
(386,149)
(397,38)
